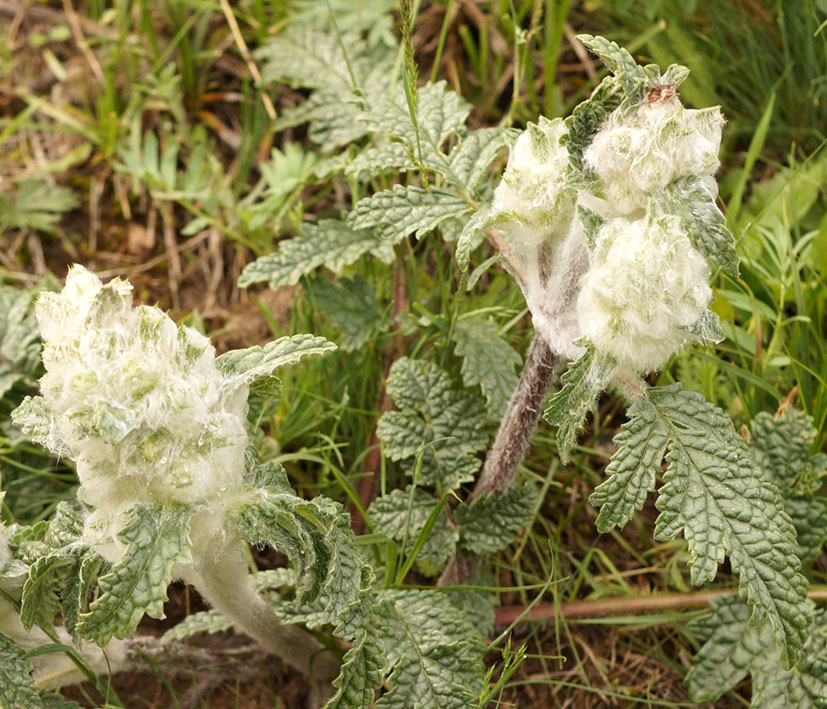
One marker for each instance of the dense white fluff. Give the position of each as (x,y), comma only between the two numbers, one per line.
(643,150)
(533,190)
(136,401)
(5,552)
(647,284)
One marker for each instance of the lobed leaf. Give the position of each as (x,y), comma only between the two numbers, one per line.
(488,360)
(490,523)
(156,539)
(403,210)
(567,408)
(443,426)
(630,475)
(433,652)
(37,205)
(734,647)
(259,361)
(617,60)
(724,505)
(329,243)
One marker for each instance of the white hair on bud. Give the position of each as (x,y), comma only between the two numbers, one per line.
(643,150)
(647,284)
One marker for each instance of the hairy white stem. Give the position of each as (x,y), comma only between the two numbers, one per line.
(220,575)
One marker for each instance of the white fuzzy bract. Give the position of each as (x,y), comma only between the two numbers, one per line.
(136,401)
(646,286)
(643,150)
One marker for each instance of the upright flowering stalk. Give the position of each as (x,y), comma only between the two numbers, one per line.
(169,487)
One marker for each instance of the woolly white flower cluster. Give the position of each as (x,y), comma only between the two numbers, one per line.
(135,400)
(640,288)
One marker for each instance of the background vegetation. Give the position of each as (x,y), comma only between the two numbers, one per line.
(168,142)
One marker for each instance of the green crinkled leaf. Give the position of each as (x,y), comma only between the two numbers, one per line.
(567,408)
(37,205)
(330,243)
(352,307)
(440,113)
(403,210)
(259,361)
(156,539)
(488,360)
(75,595)
(34,417)
(473,234)
(444,426)
(478,606)
(471,159)
(809,517)
(17,688)
(724,505)
(211,621)
(402,514)
(618,61)
(19,339)
(630,476)
(782,448)
(40,602)
(690,199)
(591,222)
(585,122)
(492,522)
(396,157)
(361,675)
(433,651)
(733,648)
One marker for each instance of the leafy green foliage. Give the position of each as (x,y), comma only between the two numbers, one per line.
(352,307)
(734,647)
(17,688)
(259,361)
(490,523)
(618,61)
(429,646)
(568,407)
(488,360)
(395,213)
(155,540)
(724,505)
(433,424)
(691,200)
(329,243)
(36,205)
(630,476)
(19,339)
(402,515)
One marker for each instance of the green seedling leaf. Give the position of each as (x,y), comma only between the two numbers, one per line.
(734,647)
(156,539)
(488,360)
(724,505)
(395,213)
(402,515)
(259,361)
(491,523)
(37,205)
(567,409)
(352,307)
(433,652)
(630,476)
(443,426)
(690,199)
(329,243)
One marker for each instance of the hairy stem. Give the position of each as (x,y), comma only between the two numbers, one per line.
(524,409)
(220,575)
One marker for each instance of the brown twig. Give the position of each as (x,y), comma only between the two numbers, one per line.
(601,607)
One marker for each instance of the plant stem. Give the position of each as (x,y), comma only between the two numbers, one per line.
(626,605)
(221,576)
(500,469)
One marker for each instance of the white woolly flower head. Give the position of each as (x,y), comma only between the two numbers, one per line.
(135,400)
(646,289)
(533,200)
(640,150)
